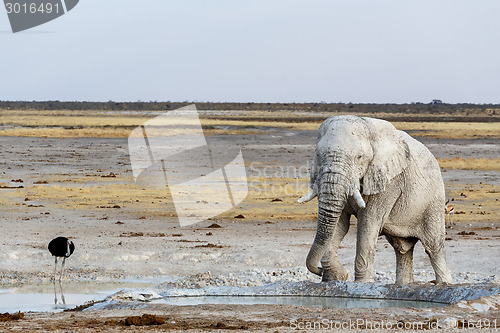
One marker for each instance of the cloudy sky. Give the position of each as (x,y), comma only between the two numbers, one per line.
(356,51)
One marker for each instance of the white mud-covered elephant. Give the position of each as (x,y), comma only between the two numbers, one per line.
(391,182)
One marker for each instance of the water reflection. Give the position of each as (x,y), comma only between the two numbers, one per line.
(63,301)
(326,302)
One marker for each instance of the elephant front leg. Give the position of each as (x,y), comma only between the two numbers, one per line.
(332,268)
(366,242)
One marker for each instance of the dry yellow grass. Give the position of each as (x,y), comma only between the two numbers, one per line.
(6,200)
(95,198)
(67,123)
(470,163)
(451,130)
(76,194)
(474,203)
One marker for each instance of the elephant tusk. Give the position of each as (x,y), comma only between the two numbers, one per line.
(308,197)
(359,199)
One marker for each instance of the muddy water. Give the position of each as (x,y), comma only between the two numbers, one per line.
(12,302)
(308,301)
(54,297)
(47,299)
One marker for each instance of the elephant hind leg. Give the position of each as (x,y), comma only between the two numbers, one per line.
(437,255)
(403,247)
(433,239)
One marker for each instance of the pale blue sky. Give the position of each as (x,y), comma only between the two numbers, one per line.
(258,51)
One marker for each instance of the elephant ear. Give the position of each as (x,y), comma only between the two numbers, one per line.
(314,171)
(390,156)
(314,166)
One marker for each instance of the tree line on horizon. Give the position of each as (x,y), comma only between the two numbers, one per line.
(436,106)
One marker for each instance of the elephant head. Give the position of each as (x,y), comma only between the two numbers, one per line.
(353,156)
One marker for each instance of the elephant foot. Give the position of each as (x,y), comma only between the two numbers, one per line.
(364,280)
(404,280)
(443,281)
(335,276)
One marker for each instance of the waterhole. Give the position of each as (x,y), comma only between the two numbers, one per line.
(53,297)
(13,302)
(308,301)
(10,301)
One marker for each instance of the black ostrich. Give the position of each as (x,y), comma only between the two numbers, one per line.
(61,247)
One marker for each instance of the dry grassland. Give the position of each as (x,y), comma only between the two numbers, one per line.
(122,193)
(451,130)
(473,203)
(470,163)
(101,194)
(67,123)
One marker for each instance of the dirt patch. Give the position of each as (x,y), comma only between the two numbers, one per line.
(210,245)
(132,234)
(465,233)
(144,320)
(114,206)
(11,316)
(244,318)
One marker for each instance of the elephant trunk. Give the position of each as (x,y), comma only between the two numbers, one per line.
(332,197)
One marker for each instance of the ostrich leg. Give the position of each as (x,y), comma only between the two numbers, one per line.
(62,269)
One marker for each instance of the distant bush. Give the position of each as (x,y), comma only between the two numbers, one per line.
(412,108)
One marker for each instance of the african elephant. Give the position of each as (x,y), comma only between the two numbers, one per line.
(392,184)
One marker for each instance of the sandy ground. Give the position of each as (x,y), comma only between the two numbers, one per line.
(83,188)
